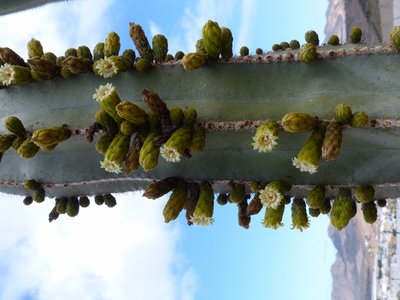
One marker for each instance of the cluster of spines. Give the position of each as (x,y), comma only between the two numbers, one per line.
(324,142)
(170,132)
(27,144)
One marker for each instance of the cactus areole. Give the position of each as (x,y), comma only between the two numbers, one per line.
(200,124)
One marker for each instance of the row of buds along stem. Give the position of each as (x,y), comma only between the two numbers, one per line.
(171,133)
(324,142)
(27,144)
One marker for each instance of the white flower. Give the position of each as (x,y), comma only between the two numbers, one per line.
(106,68)
(304,166)
(271,197)
(201,220)
(170,154)
(7,74)
(103,92)
(111,166)
(264,142)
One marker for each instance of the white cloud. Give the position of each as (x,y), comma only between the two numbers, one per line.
(248,12)
(154,28)
(126,252)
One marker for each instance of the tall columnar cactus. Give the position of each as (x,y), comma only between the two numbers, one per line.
(239,126)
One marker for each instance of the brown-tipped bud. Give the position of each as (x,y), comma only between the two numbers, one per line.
(9,56)
(332,142)
(50,136)
(77,65)
(222,198)
(154,102)
(28,149)
(175,203)
(14,125)
(140,40)
(109,200)
(132,113)
(255,205)
(34,48)
(43,67)
(72,207)
(84,201)
(132,158)
(160,188)
(243,218)
(84,52)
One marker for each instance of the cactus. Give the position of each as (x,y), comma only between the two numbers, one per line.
(237,108)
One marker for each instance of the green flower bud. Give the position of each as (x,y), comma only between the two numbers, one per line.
(381,202)
(332,142)
(198,140)
(299,215)
(160,47)
(99,199)
(259,51)
(59,59)
(179,55)
(34,48)
(238,192)
(276,47)
(308,53)
(176,116)
(255,205)
(28,200)
(200,47)
(65,73)
(342,209)
(312,37)
(370,212)
(284,45)
(191,201)
(298,122)
(141,43)
(325,208)
(294,44)
(8,56)
(112,44)
(227,40)
(148,156)
(355,35)
(359,119)
(14,75)
(143,65)
(314,212)
(203,212)
(84,52)
(32,185)
(189,117)
(316,196)
(121,63)
(342,113)
(129,53)
(333,40)
(161,187)
(98,51)
(48,148)
(255,186)
(115,155)
(222,198)
(132,113)
(132,158)
(6,141)
(244,51)
(395,37)
(212,39)
(71,52)
(38,195)
(105,120)
(193,61)
(17,143)
(84,201)
(61,206)
(364,193)
(127,128)
(28,149)
(175,146)
(273,216)
(50,57)
(109,200)
(105,141)
(50,136)
(77,65)
(72,207)
(175,203)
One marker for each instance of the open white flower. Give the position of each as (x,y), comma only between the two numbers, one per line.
(265,139)
(304,165)
(111,166)
(201,220)
(170,154)
(103,92)
(7,74)
(272,195)
(106,68)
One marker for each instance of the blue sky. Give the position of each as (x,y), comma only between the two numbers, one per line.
(128,252)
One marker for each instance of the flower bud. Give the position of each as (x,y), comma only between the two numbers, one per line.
(34,48)
(370,212)
(31,184)
(259,51)
(159,188)
(333,40)
(308,53)
(284,45)
(273,216)
(316,196)
(179,55)
(28,200)
(311,37)
(381,202)
(176,116)
(359,119)
(191,201)
(299,215)
(314,212)
(222,198)
(8,56)
(298,122)
(148,156)
(127,128)
(38,195)
(132,158)
(175,146)
(132,113)
(227,40)
(77,65)
(98,51)
(112,44)
(72,207)
(84,52)
(160,47)
(27,149)
(395,37)
(105,120)
(255,205)
(342,113)
(42,68)
(237,193)
(154,102)
(294,44)
(175,203)
(14,125)
(84,201)
(129,53)
(275,47)
(10,74)
(200,47)
(143,65)
(6,141)
(99,199)
(50,57)
(355,35)
(203,212)
(189,117)
(141,43)
(198,140)
(50,136)
(212,39)
(332,142)
(244,51)
(115,155)
(66,73)
(105,141)
(17,143)
(325,208)
(342,209)
(121,63)
(61,205)
(193,61)
(364,193)
(109,200)
(71,52)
